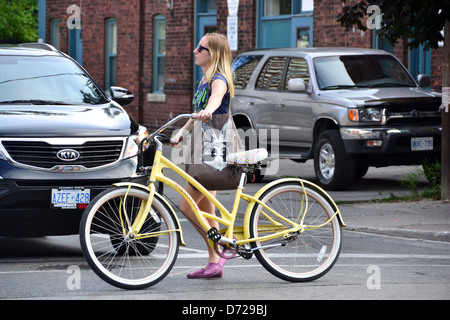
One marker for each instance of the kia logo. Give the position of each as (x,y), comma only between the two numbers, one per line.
(415,113)
(68,155)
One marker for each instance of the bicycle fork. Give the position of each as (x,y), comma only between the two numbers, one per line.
(135,227)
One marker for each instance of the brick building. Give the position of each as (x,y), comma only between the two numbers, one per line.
(147,46)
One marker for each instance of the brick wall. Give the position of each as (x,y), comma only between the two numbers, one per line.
(327,31)
(246,22)
(135,45)
(94,16)
(179,63)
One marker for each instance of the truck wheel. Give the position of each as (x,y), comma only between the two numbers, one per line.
(361,168)
(334,168)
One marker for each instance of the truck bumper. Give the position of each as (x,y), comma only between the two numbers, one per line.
(415,142)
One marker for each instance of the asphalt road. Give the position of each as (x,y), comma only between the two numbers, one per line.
(370,266)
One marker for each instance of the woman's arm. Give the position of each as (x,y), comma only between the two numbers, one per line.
(218,91)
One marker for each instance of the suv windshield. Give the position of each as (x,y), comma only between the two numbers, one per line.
(47,80)
(367,71)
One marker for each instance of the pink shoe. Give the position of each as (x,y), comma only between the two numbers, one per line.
(196,274)
(212,270)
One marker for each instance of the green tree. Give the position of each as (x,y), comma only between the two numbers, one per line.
(18,21)
(416,22)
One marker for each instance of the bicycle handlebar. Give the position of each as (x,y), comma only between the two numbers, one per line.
(163,138)
(170,122)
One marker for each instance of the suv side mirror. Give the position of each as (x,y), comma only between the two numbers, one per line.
(424,80)
(121,95)
(297,85)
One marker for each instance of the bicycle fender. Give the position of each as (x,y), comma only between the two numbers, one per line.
(161,198)
(261,191)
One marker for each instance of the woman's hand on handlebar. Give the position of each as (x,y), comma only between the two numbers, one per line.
(176,141)
(203,115)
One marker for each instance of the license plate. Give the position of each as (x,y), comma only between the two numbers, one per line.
(421,144)
(70,198)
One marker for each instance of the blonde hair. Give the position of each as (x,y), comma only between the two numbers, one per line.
(220,59)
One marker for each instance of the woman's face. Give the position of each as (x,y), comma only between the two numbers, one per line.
(202,56)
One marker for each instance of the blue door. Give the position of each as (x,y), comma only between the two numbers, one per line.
(76,45)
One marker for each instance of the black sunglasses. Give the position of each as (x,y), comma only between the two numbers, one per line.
(200,48)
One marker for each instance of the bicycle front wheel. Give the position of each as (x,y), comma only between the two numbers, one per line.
(123,260)
(299,256)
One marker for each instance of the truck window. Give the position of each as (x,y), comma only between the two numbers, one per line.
(297,69)
(271,75)
(243,68)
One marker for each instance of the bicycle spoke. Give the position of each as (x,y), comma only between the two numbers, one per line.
(308,254)
(120,257)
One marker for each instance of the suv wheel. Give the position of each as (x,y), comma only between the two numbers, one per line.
(334,168)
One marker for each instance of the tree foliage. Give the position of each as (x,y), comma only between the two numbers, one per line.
(416,21)
(18,21)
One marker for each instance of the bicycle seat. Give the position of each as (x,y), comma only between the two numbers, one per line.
(247,157)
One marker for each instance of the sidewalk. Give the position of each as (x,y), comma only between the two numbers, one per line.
(425,219)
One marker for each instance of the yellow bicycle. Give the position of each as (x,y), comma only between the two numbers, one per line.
(130,234)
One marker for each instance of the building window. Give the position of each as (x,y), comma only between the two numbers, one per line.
(159,63)
(207,6)
(303,37)
(111,53)
(291,18)
(55,33)
(277,7)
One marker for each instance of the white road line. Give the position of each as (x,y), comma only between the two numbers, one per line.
(343,255)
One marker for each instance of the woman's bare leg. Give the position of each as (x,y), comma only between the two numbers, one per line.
(205,205)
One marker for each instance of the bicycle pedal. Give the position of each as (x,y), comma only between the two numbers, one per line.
(214,235)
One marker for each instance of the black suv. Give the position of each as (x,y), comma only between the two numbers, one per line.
(62,141)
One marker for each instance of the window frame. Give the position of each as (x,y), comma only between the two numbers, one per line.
(110,54)
(55,33)
(158,20)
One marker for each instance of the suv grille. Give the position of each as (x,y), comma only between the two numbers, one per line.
(413,112)
(92,154)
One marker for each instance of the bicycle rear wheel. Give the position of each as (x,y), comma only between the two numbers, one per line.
(123,261)
(298,257)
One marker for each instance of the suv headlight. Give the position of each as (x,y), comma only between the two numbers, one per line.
(365,114)
(132,148)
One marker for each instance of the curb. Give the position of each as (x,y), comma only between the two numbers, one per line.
(443,236)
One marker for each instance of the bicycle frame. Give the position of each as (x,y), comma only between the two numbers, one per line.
(226,218)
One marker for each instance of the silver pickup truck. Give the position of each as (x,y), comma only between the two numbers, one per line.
(345,108)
